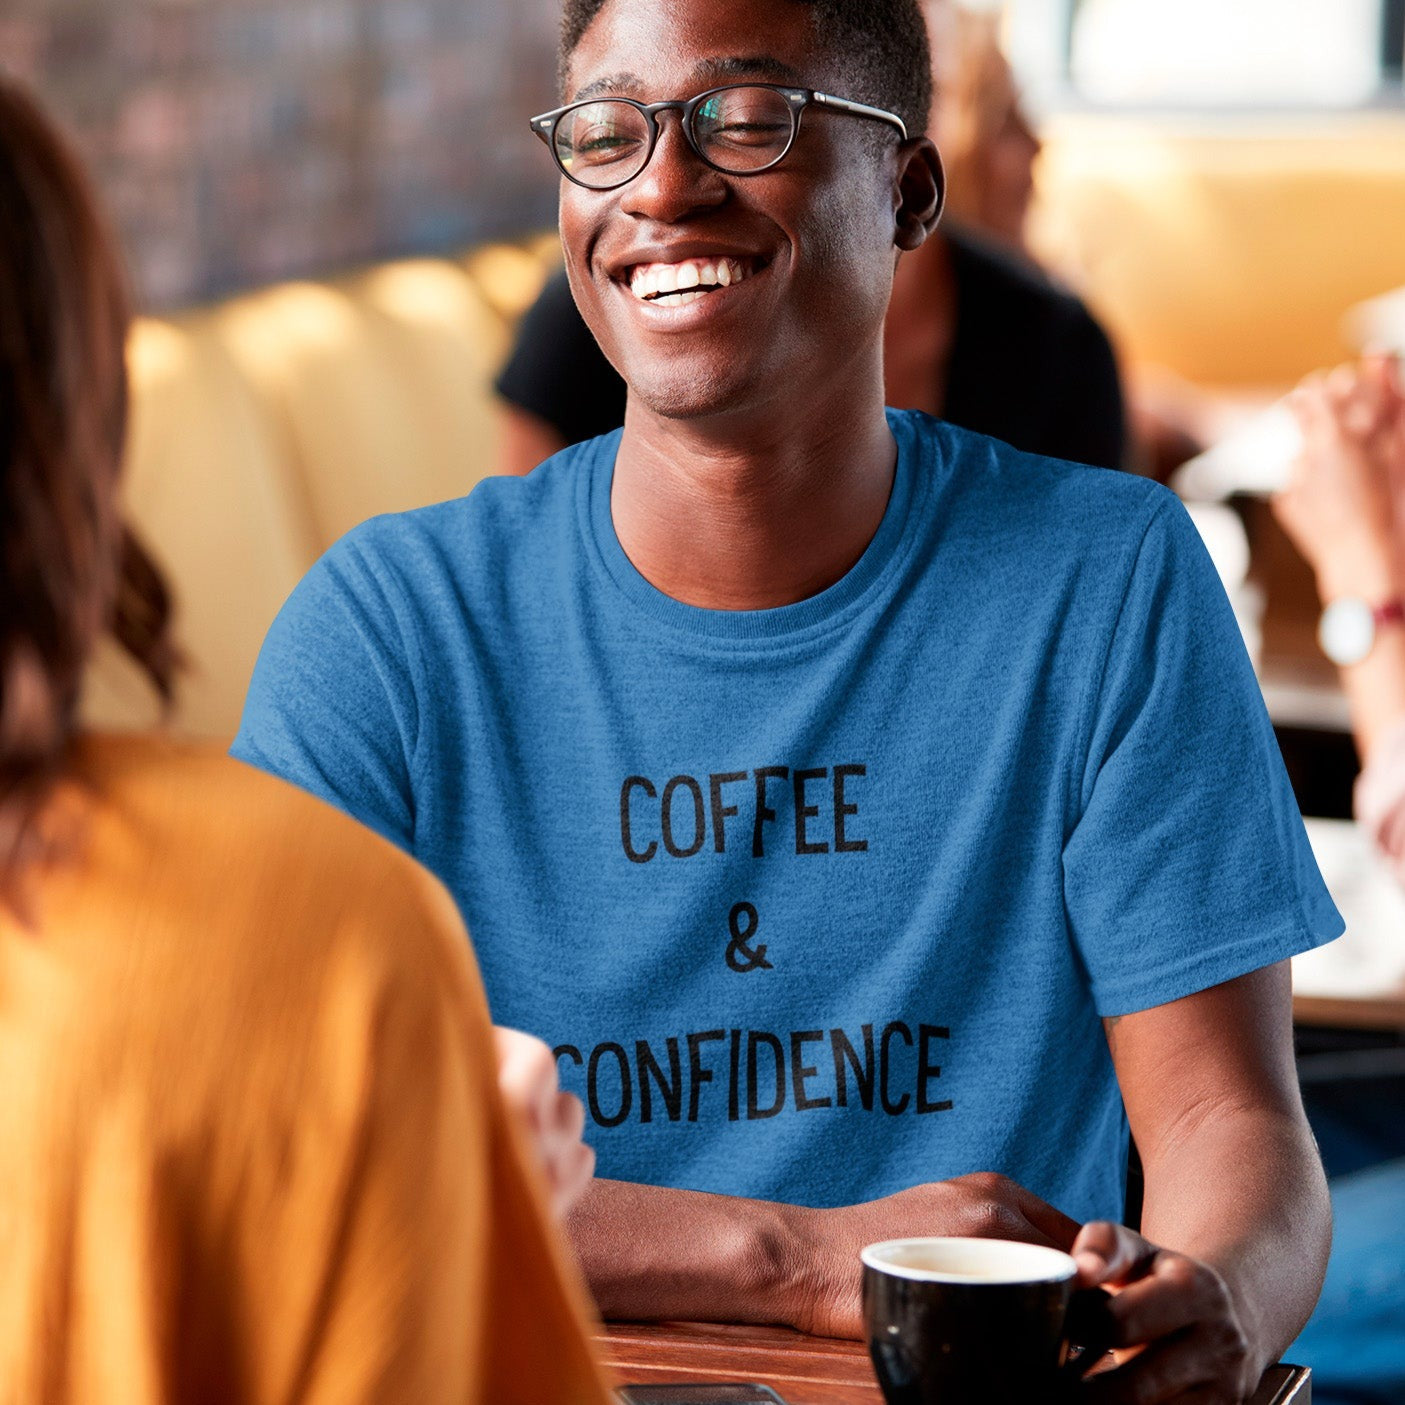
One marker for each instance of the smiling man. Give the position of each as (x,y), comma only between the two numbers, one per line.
(874,819)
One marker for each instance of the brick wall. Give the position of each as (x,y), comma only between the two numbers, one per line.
(242,141)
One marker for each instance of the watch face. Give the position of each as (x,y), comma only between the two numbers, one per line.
(1347,630)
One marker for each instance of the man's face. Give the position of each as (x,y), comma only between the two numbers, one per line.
(809,244)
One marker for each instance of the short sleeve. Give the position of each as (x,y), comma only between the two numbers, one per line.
(557,371)
(1188,864)
(331,706)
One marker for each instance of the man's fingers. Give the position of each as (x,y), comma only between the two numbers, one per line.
(1174,1295)
(1095,1250)
(1052,1223)
(995,1207)
(1182,1369)
(1108,1253)
(1166,1371)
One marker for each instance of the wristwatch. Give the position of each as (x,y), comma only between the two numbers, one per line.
(1348,627)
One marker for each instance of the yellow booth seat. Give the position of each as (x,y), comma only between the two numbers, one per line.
(265,428)
(1227,251)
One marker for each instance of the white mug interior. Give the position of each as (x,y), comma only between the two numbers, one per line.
(969,1261)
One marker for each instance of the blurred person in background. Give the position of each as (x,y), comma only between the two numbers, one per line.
(989,147)
(1344,509)
(254,1143)
(975,333)
(988,142)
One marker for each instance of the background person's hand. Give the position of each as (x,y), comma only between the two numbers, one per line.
(1344,506)
(1173,1323)
(827,1300)
(552,1120)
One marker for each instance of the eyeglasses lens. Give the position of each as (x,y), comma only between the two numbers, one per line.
(743,129)
(602,144)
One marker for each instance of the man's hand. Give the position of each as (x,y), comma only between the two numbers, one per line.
(827,1296)
(1173,1321)
(552,1120)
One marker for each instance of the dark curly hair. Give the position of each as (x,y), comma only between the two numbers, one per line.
(881,46)
(69,568)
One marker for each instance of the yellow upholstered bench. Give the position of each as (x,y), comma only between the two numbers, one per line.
(266,427)
(1229,252)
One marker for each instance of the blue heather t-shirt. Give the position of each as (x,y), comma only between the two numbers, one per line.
(818,902)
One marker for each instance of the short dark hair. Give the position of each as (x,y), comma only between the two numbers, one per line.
(882,45)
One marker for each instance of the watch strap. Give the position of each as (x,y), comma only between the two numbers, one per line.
(1389,612)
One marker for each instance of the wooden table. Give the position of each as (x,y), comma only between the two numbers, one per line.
(803,1370)
(1380,1013)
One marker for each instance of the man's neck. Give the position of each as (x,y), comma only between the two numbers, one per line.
(752,514)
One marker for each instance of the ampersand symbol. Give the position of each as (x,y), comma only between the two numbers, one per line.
(741,956)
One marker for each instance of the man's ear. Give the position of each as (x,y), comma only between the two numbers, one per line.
(919,194)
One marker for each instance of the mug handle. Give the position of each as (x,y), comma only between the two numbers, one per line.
(1089,1325)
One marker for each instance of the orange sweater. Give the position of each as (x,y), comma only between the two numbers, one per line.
(251,1146)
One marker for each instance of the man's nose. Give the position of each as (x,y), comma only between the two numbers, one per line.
(676,182)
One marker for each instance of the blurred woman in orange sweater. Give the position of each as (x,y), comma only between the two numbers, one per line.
(254,1146)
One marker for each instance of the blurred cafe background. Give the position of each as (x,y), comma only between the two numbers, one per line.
(334,214)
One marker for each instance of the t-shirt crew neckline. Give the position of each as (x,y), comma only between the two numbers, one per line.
(870,580)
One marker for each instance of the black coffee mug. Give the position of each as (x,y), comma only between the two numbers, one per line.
(975,1321)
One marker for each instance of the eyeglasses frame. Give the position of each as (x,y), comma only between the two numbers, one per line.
(797,99)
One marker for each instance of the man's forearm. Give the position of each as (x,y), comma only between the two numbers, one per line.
(650,1252)
(1245,1193)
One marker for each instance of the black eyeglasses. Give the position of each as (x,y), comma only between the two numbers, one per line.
(741,130)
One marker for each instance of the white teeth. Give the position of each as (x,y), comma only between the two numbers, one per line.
(676,284)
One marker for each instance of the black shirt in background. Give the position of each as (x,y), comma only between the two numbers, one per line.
(1028,365)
